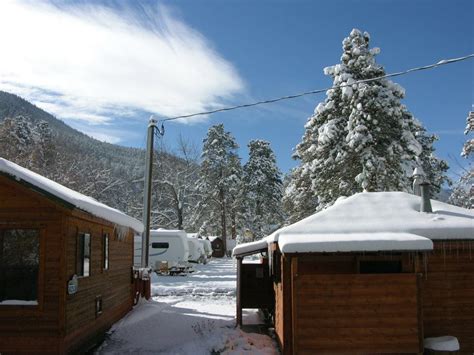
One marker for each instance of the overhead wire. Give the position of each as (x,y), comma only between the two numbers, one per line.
(317,91)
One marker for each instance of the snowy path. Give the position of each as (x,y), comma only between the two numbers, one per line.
(192,314)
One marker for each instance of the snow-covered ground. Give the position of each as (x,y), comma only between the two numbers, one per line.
(193,314)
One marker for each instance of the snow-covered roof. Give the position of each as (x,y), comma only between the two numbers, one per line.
(80,201)
(352,242)
(382,212)
(251,247)
(372,221)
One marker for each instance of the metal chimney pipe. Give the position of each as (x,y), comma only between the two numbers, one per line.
(418,178)
(425,197)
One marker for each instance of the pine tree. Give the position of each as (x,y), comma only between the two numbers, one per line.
(235,195)
(435,169)
(262,186)
(217,182)
(299,200)
(28,143)
(361,138)
(463,193)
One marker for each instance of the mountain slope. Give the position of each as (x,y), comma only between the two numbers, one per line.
(110,173)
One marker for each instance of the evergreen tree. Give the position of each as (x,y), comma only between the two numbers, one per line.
(218,182)
(28,143)
(463,193)
(435,169)
(361,138)
(235,195)
(263,189)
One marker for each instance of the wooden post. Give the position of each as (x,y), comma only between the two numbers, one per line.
(294,304)
(239,291)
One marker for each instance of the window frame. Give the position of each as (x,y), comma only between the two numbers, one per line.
(81,254)
(105,251)
(34,309)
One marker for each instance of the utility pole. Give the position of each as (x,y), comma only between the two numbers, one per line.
(147,191)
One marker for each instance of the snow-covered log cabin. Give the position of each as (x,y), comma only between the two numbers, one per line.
(370,274)
(65,265)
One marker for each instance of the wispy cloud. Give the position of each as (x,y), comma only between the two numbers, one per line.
(93,63)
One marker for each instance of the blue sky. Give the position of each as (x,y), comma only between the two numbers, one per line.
(117,62)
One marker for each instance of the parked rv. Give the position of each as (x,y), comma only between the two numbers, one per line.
(207,247)
(168,251)
(206,244)
(196,251)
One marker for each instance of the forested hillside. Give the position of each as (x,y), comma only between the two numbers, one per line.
(110,173)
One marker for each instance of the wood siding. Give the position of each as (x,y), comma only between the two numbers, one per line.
(448,297)
(369,313)
(113,285)
(34,328)
(283,312)
(63,322)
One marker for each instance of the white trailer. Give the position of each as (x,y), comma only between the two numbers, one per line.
(206,243)
(168,251)
(196,251)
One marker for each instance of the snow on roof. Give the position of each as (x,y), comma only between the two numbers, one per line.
(246,248)
(382,212)
(80,201)
(352,242)
(368,220)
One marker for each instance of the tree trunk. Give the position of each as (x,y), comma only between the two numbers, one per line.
(223,219)
(180,218)
(234,226)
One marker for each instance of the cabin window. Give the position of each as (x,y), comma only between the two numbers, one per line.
(83,255)
(380,266)
(160,245)
(19,266)
(105,251)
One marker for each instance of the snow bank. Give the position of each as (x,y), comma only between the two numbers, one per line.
(352,242)
(446,343)
(80,201)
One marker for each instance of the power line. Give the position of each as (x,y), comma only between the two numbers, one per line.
(312,92)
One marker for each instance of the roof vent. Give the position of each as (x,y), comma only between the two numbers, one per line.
(425,197)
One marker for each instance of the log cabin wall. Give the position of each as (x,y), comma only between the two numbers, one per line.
(61,322)
(83,324)
(448,295)
(334,309)
(34,329)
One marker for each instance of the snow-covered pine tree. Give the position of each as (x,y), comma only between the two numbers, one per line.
(435,169)
(263,190)
(463,192)
(27,143)
(299,200)
(235,195)
(216,182)
(16,142)
(360,137)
